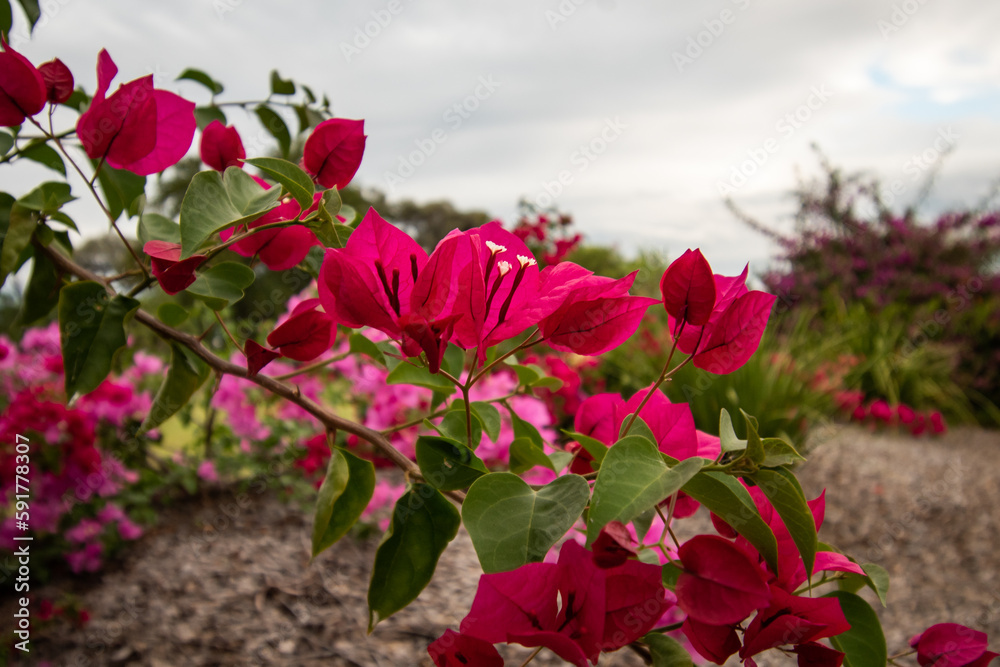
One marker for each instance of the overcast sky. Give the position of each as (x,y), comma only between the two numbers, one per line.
(642,109)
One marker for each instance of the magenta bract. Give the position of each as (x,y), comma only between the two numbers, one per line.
(137,128)
(22,88)
(688,288)
(58,81)
(333,151)
(221,146)
(720,585)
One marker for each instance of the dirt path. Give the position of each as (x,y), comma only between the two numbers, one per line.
(244,592)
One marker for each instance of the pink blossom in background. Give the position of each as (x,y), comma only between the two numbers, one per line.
(87,559)
(206,470)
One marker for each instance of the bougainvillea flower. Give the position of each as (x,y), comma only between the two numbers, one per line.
(455,650)
(307,333)
(688,289)
(58,81)
(22,88)
(720,585)
(734,337)
(173,273)
(952,645)
(713,642)
(333,151)
(727,290)
(137,128)
(595,314)
(498,279)
(258,356)
(279,248)
(671,423)
(573,607)
(732,332)
(369,282)
(600,417)
(613,546)
(221,146)
(814,654)
(793,620)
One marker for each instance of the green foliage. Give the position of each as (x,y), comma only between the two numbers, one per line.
(511,524)
(423,523)
(343,496)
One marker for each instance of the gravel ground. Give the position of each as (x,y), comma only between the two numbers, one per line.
(228,581)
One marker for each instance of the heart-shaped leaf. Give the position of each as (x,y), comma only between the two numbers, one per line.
(222,284)
(634,478)
(214,202)
(447,464)
(511,524)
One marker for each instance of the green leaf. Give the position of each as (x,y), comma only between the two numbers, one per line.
(510,524)
(92,330)
(6,140)
(670,574)
(447,464)
(777,453)
(642,523)
(47,198)
(222,284)
(345,493)
(204,79)
(120,187)
(864,644)
(594,447)
(406,373)
(727,434)
(281,86)
(525,455)
(361,345)
(42,293)
(560,460)
(171,314)
(639,428)
(453,360)
(155,227)
(215,201)
(876,578)
(64,219)
(32,11)
(526,375)
(453,426)
(423,523)
(667,651)
(634,478)
(6,18)
(21,224)
(205,115)
(524,429)
(297,182)
(186,374)
(274,124)
(791,506)
(726,497)
(489,417)
(755,448)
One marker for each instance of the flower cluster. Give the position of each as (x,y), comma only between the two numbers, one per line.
(73,478)
(881,414)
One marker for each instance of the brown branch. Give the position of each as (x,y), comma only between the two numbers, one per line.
(328,418)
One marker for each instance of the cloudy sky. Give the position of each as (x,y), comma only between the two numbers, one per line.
(629,115)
